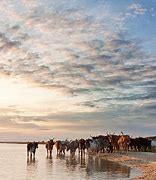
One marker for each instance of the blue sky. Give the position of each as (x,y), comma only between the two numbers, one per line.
(77,67)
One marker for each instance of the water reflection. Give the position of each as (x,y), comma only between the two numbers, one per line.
(32,166)
(75,160)
(60,156)
(71,163)
(82,161)
(30,160)
(77,167)
(109,167)
(49,163)
(49,168)
(94,165)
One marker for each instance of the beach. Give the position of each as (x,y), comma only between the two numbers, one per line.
(145,162)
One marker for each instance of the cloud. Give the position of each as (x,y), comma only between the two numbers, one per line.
(137,9)
(110,61)
(8,122)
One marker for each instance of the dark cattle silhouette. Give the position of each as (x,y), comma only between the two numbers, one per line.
(143,144)
(72,146)
(31,149)
(82,146)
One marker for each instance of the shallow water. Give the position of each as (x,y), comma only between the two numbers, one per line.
(15,166)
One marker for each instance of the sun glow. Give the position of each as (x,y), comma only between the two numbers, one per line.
(30,99)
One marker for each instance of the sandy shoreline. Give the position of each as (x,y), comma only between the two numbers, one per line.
(143,161)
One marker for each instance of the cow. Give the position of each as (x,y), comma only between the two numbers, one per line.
(72,146)
(113,139)
(87,143)
(123,142)
(96,145)
(106,143)
(143,144)
(61,146)
(132,144)
(82,146)
(31,149)
(49,147)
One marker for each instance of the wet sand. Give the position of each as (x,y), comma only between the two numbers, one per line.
(143,161)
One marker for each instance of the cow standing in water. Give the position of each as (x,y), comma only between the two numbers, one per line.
(49,147)
(61,146)
(31,149)
(72,146)
(82,146)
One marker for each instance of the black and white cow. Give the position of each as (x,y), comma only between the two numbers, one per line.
(31,149)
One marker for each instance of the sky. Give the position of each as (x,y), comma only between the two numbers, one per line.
(75,68)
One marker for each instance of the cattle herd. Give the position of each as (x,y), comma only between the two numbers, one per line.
(102,143)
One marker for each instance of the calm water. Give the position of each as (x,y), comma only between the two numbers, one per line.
(14,166)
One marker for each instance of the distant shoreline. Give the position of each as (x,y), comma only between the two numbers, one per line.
(14,142)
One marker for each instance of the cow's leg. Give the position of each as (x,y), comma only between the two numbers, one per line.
(27,153)
(47,153)
(79,150)
(84,151)
(64,151)
(111,148)
(117,148)
(72,152)
(124,147)
(50,153)
(31,154)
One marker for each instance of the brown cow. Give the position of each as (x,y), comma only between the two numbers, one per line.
(113,139)
(124,142)
(49,147)
(61,146)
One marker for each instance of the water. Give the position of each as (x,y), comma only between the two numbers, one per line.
(14,166)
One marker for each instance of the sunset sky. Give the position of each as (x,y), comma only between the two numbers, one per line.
(71,68)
